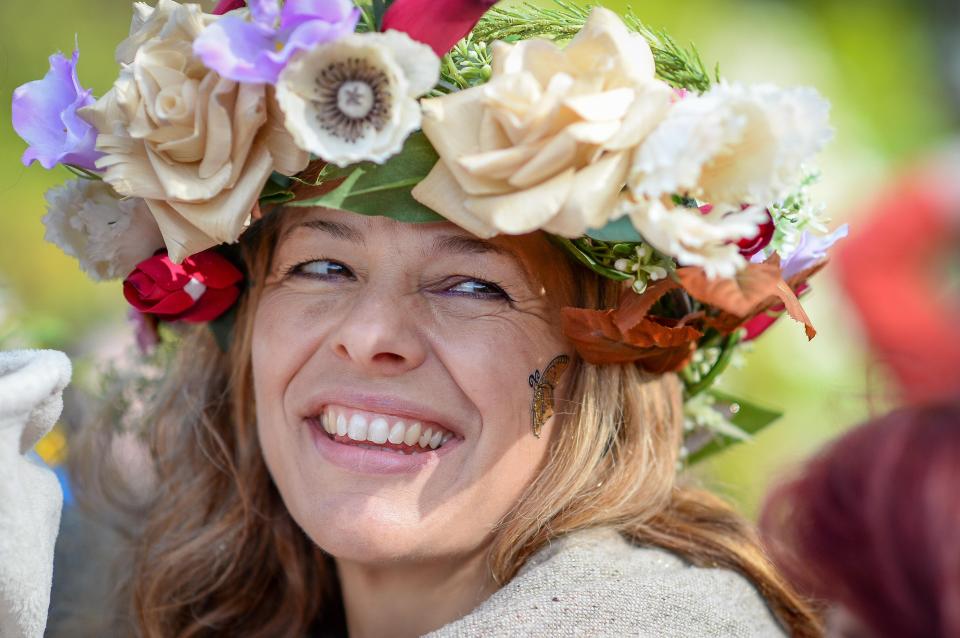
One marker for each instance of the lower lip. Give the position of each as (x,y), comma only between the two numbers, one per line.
(366,461)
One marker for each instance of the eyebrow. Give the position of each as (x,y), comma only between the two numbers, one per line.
(466,244)
(453,243)
(334,229)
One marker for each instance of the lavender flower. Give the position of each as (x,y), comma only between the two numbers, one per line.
(45,116)
(256,51)
(810,250)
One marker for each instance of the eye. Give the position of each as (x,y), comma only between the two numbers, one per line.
(478,289)
(324,269)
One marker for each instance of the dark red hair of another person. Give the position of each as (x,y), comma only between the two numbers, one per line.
(873,524)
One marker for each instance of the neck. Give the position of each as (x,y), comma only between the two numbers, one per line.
(413,598)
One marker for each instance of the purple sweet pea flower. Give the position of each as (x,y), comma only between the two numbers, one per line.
(45,116)
(256,51)
(810,250)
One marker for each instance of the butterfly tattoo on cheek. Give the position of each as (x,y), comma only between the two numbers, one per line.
(543,384)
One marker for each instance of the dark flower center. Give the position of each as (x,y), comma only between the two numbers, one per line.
(353,95)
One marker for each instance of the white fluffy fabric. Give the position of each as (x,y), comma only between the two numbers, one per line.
(31,388)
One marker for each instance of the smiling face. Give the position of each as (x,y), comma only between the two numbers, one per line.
(391,374)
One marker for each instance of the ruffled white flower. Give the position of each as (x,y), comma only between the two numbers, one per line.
(355,99)
(695,238)
(107,235)
(546,143)
(734,144)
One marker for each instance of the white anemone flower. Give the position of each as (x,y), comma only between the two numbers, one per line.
(734,144)
(355,99)
(695,238)
(109,236)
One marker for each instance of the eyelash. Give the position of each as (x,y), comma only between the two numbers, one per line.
(297,270)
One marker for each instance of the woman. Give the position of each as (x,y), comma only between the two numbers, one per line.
(869,526)
(437,404)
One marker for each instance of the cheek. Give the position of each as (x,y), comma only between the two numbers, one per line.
(492,365)
(275,358)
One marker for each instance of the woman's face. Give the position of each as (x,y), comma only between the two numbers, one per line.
(391,374)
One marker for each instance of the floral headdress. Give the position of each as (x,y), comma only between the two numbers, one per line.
(605,134)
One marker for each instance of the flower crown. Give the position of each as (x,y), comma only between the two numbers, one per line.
(604,133)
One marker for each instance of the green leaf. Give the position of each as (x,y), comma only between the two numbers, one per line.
(383,189)
(620,230)
(747,417)
(280,197)
(575,248)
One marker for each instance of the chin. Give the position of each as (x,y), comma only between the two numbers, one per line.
(367,529)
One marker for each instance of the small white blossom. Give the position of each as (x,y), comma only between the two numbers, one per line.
(109,236)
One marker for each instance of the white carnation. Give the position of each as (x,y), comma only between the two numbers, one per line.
(694,238)
(734,144)
(109,236)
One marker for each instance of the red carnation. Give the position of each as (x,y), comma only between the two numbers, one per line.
(200,289)
(437,23)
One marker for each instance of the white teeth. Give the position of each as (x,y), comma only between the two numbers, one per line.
(413,434)
(425,437)
(358,428)
(397,432)
(379,431)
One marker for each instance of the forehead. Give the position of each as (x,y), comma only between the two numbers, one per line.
(531,250)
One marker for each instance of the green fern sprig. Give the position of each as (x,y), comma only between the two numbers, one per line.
(678,66)
(468,64)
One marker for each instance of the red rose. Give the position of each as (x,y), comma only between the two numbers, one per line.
(200,289)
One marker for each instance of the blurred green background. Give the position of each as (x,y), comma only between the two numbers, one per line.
(877,61)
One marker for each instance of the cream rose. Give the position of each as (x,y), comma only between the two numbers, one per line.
(545,143)
(198,148)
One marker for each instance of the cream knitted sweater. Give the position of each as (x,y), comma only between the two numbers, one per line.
(595,583)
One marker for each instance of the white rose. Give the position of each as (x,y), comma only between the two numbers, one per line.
(107,235)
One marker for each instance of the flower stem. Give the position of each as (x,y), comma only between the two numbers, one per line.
(723,360)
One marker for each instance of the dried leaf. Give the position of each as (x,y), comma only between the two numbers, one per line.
(627,334)
(633,307)
(752,291)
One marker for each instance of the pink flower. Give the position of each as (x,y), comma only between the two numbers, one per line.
(438,23)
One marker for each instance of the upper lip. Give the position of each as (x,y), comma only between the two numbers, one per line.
(386,404)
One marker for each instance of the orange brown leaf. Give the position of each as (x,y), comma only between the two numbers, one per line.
(740,298)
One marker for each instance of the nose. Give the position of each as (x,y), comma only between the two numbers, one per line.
(380,335)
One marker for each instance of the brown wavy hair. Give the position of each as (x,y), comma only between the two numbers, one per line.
(213,550)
